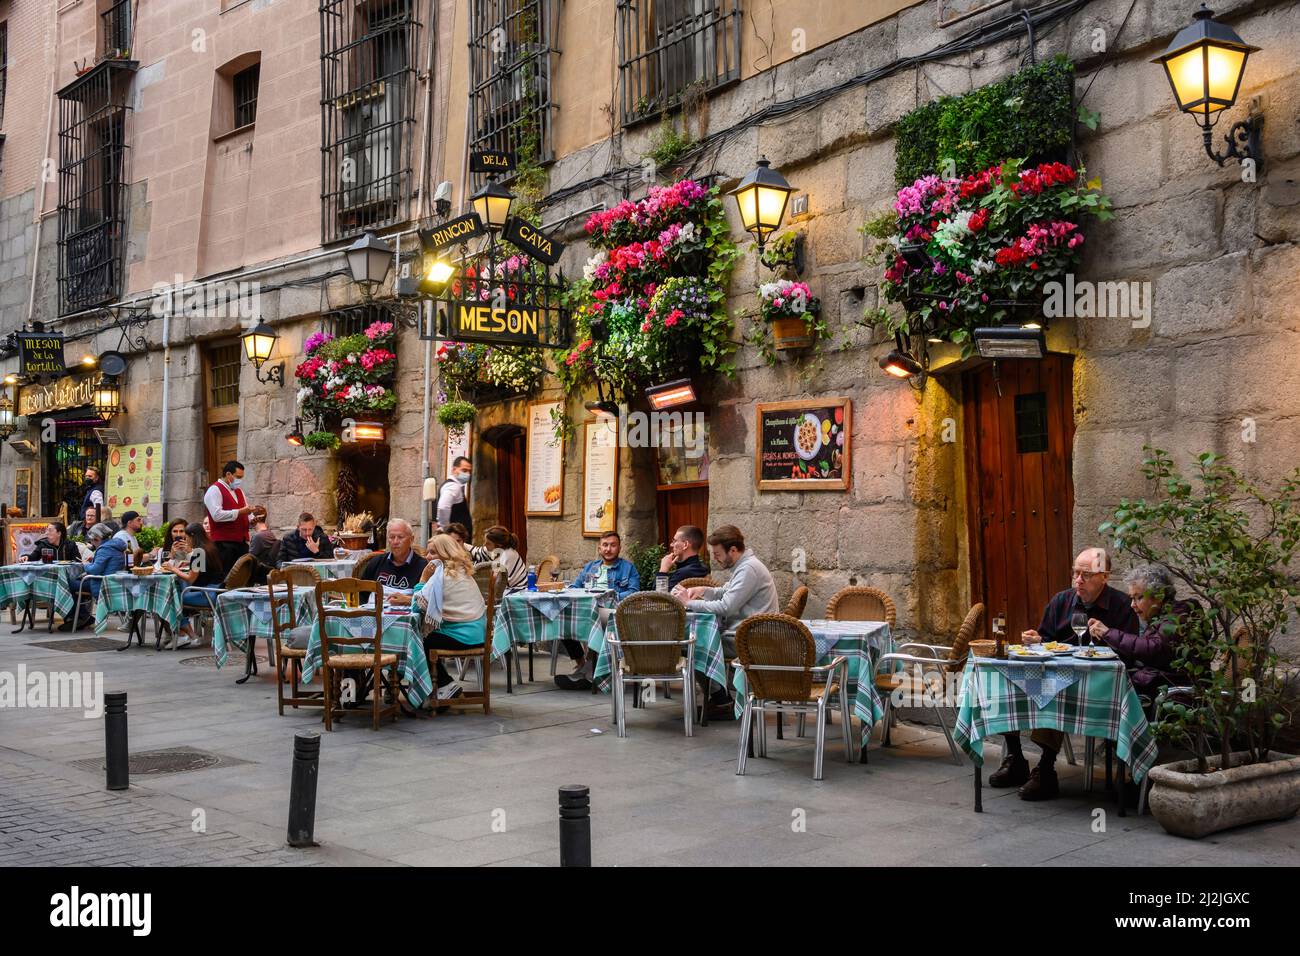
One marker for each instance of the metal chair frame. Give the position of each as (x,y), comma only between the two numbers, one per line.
(686,674)
(754,704)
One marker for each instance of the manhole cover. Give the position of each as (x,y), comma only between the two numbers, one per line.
(210,660)
(81,645)
(169,760)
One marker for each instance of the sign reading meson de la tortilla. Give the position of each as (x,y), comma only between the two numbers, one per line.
(528,238)
(804,445)
(41,353)
(67,392)
(460,229)
(491,161)
(515,324)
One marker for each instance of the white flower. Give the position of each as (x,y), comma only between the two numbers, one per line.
(589,270)
(303,394)
(982,266)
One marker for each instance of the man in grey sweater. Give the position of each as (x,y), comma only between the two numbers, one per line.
(749,590)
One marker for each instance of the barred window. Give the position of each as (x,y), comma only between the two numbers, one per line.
(511,48)
(666,48)
(368,50)
(246,82)
(92,186)
(223,374)
(115,30)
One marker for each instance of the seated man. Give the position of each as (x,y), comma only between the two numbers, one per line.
(264,546)
(132,523)
(682,561)
(109,558)
(308,541)
(399,567)
(750,589)
(1098,600)
(610,571)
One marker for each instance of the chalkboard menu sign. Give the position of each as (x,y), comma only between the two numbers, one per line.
(41,354)
(804,445)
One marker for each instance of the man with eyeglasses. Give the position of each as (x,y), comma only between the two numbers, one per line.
(1091,594)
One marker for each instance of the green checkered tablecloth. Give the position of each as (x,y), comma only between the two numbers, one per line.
(158,594)
(530,617)
(862,643)
(401,637)
(330,569)
(246,611)
(1099,702)
(53,583)
(708,649)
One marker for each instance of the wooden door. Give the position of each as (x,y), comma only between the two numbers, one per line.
(1019,436)
(679,506)
(511,458)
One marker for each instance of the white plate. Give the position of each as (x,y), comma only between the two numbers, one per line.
(1031,655)
(817,426)
(1101,654)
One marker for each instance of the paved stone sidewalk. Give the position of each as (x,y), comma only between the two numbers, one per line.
(470,789)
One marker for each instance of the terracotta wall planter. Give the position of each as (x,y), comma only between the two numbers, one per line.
(1191,804)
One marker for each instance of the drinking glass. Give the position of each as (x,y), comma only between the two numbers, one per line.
(591,582)
(1079,624)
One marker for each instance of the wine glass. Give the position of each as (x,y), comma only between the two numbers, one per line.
(1079,624)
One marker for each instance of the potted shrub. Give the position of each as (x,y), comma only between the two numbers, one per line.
(791,310)
(1230,544)
(321,441)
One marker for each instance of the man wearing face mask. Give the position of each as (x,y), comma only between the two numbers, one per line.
(228,512)
(453,497)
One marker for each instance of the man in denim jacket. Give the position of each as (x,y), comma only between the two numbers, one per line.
(610,571)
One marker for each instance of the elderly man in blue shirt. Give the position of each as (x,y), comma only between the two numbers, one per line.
(614,573)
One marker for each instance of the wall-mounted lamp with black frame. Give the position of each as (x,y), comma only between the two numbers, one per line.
(7,423)
(369,260)
(259,341)
(1205,63)
(107,398)
(761,198)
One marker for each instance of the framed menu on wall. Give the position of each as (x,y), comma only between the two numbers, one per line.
(544,497)
(23,491)
(457,442)
(599,477)
(804,445)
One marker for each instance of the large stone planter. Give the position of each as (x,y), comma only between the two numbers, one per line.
(1191,804)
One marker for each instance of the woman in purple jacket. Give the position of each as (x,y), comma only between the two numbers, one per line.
(1152,654)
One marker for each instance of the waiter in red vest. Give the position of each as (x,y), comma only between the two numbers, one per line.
(228,512)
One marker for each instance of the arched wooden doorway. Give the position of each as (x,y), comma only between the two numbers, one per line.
(510,444)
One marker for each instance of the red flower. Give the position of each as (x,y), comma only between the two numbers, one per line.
(978,220)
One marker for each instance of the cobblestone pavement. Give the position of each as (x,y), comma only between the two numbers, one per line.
(472,789)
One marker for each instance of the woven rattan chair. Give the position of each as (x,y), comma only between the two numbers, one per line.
(652,645)
(301,575)
(335,665)
(358,570)
(862,604)
(778,656)
(698,583)
(923,680)
(487,581)
(546,566)
(286,631)
(798,601)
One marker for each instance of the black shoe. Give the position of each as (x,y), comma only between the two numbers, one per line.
(66,626)
(721,711)
(1012,773)
(569,682)
(1042,785)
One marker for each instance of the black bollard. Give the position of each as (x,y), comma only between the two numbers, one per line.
(302,788)
(117,758)
(575,825)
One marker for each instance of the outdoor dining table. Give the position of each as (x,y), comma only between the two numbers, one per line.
(862,643)
(156,596)
(328,568)
(27,582)
(1069,694)
(532,617)
(401,636)
(244,614)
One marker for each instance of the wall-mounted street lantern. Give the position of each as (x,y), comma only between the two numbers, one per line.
(107,397)
(259,341)
(369,259)
(761,198)
(492,203)
(1205,63)
(7,424)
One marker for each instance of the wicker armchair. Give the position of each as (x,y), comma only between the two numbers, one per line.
(778,656)
(488,581)
(698,583)
(359,569)
(924,681)
(652,645)
(798,601)
(335,665)
(287,632)
(546,566)
(301,575)
(862,604)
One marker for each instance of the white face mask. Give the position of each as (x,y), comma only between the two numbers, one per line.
(236,482)
(462,477)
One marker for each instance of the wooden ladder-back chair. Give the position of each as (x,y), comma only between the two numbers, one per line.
(652,645)
(798,601)
(779,658)
(488,581)
(301,575)
(862,604)
(923,679)
(334,665)
(286,632)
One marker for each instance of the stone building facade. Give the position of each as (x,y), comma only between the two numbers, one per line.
(1213,370)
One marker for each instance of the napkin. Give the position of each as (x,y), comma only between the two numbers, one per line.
(1041,681)
(548,605)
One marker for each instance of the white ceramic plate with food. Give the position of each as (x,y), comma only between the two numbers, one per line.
(808,436)
(1095,654)
(1032,653)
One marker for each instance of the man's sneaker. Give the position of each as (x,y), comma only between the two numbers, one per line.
(1012,773)
(183,640)
(1042,785)
(448,691)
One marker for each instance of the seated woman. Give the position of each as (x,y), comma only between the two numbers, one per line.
(109,558)
(1150,655)
(454,611)
(200,567)
(174,535)
(502,550)
(55,544)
